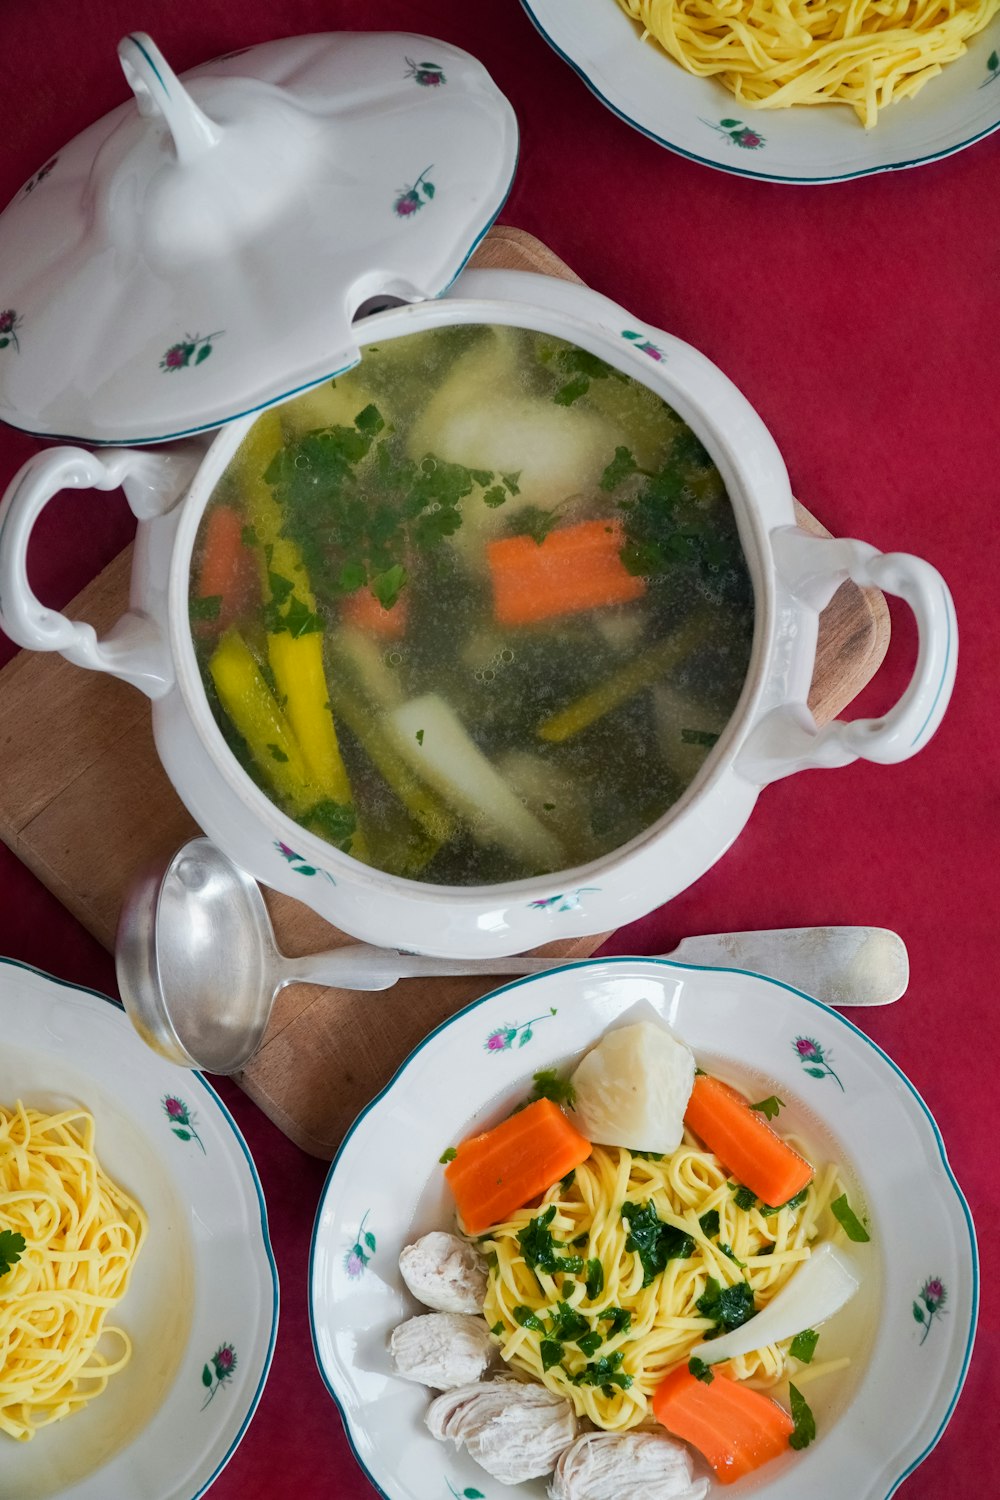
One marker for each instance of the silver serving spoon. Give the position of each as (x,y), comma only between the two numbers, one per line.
(198,967)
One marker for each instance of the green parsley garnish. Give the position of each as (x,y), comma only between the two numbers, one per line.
(551,1353)
(620,1318)
(728,1307)
(12,1247)
(648,1155)
(248,536)
(590,1343)
(495,496)
(447,1156)
(565,1183)
(595,1278)
(709,1223)
(770,1107)
(605,1372)
(701,737)
(528,1319)
(419,736)
(743,1198)
(728,1251)
(621,466)
(567,1324)
(548,1084)
(805,1422)
(510,480)
(333,821)
(539,1248)
(207,608)
(849,1221)
(700,1370)
(654,1242)
(803,1345)
(535,522)
(497,1329)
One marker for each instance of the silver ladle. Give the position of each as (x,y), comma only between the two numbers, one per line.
(199,969)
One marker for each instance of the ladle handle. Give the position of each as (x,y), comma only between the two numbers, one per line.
(158,91)
(361,966)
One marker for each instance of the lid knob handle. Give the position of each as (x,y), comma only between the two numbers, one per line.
(159,91)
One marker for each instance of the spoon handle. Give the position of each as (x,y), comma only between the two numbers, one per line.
(841,965)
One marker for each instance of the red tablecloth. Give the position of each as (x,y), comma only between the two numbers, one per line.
(862,321)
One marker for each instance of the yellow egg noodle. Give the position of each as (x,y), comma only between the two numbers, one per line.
(773,53)
(82,1235)
(665,1322)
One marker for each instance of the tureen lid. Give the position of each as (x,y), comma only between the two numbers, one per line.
(201,252)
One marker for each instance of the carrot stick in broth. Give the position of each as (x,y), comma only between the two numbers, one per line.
(502,1170)
(744,1142)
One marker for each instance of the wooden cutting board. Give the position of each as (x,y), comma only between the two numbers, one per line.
(85,803)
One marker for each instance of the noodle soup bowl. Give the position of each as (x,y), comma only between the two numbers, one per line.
(770,735)
(840,1092)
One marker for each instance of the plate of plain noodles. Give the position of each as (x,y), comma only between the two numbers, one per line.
(138,1292)
(521,1259)
(789,90)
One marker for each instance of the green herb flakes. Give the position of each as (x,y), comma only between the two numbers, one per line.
(419,736)
(770,1107)
(551,1353)
(497,1329)
(12,1247)
(621,466)
(849,1221)
(590,1343)
(803,1345)
(743,1198)
(565,1183)
(728,1307)
(709,1223)
(595,1278)
(700,1371)
(277,753)
(605,1372)
(620,1319)
(495,497)
(654,1242)
(447,1156)
(369,421)
(805,1422)
(527,1319)
(207,608)
(708,738)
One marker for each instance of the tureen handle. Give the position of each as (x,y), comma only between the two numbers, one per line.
(158,91)
(134,649)
(786,739)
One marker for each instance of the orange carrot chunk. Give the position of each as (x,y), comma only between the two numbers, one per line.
(227,571)
(494,1174)
(367,613)
(573,569)
(736,1429)
(744,1142)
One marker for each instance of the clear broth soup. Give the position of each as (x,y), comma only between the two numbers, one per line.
(475,611)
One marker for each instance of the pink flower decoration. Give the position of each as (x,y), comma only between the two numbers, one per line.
(225,1358)
(406,204)
(7,320)
(934,1290)
(748,138)
(174,1108)
(354,1265)
(499,1041)
(805,1048)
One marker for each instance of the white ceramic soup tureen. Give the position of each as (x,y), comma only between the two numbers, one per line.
(177,366)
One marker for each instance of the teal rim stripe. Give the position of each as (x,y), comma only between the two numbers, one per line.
(665,964)
(84,989)
(172,437)
(719,166)
(159,76)
(944,670)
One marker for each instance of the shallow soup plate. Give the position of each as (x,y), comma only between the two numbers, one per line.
(913,1321)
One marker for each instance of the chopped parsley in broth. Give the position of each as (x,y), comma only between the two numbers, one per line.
(476,611)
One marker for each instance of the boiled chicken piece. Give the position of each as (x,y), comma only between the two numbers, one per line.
(513,1430)
(442,1349)
(445,1273)
(625,1466)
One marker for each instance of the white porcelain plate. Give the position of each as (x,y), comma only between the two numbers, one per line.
(202,1308)
(385,1188)
(699,118)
